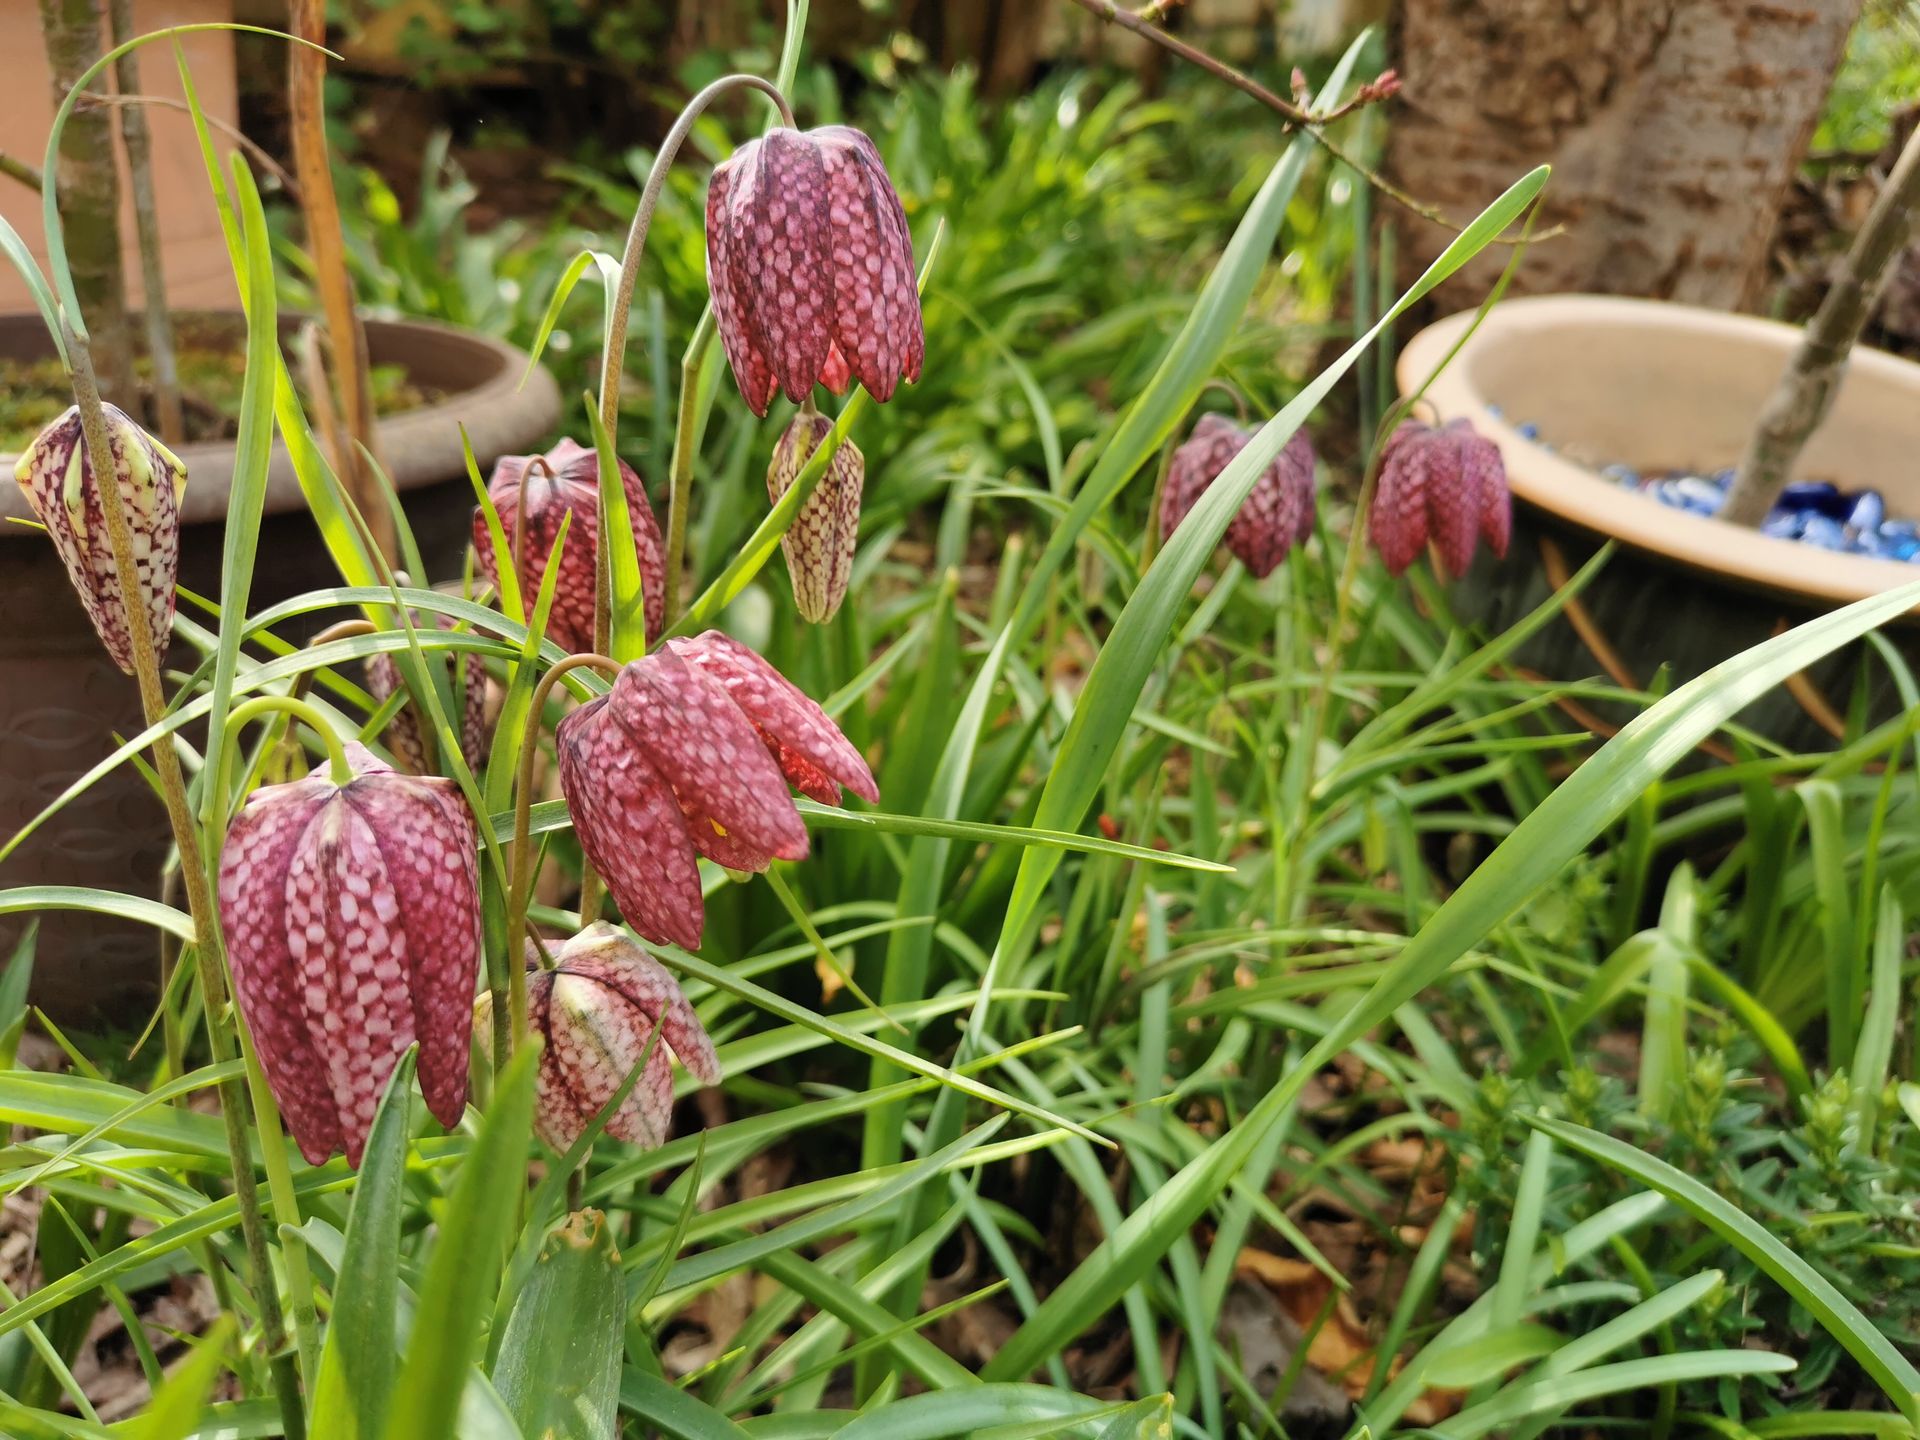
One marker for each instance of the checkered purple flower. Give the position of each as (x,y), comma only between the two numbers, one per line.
(811,267)
(1445,484)
(352,918)
(1274,518)
(567,480)
(691,754)
(406,736)
(596,1012)
(152,481)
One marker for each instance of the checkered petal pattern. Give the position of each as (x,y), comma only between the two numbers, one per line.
(568,482)
(596,1012)
(819,545)
(152,481)
(1276,515)
(691,754)
(352,918)
(1446,485)
(811,267)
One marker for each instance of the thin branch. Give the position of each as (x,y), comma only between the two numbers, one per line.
(1382,87)
(28,175)
(254,153)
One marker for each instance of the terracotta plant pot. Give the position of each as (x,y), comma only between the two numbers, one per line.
(1661,387)
(62,701)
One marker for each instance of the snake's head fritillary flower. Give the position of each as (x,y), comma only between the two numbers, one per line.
(819,544)
(1274,518)
(405,733)
(1446,484)
(811,267)
(352,917)
(566,480)
(597,1011)
(57,476)
(691,754)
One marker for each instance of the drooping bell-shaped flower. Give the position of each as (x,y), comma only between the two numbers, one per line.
(596,1012)
(566,480)
(352,918)
(406,733)
(811,267)
(691,754)
(1274,518)
(57,476)
(820,543)
(1446,484)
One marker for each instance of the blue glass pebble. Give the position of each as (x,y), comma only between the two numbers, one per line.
(1700,494)
(1820,496)
(1495,410)
(1904,550)
(1784,524)
(1622,475)
(1529,430)
(1723,478)
(1869,510)
(1824,531)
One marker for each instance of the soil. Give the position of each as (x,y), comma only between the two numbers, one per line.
(211,370)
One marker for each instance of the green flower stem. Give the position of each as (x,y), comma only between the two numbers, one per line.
(686,444)
(209,950)
(613,358)
(510,1009)
(338,769)
(286,1204)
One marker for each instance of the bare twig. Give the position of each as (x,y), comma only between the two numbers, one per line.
(1382,87)
(1805,393)
(15,169)
(1373,90)
(153,281)
(257,155)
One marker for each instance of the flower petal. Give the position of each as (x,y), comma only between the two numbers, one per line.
(779,203)
(738,338)
(820,543)
(254,866)
(603,954)
(812,752)
(428,844)
(593,1040)
(736,803)
(876,307)
(1398,517)
(630,826)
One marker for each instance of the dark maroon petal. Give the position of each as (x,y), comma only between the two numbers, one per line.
(254,866)
(1398,517)
(834,374)
(779,204)
(1453,502)
(737,334)
(876,319)
(403,731)
(1268,524)
(427,839)
(738,811)
(630,826)
(1482,458)
(602,954)
(809,746)
(1195,465)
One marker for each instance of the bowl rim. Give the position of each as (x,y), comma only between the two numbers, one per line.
(1584,498)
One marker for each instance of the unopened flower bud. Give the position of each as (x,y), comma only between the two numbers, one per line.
(819,544)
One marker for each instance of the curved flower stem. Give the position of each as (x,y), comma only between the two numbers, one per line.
(209,950)
(510,1010)
(338,770)
(1242,406)
(614,357)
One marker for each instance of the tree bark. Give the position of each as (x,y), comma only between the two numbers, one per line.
(90,194)
(1673,126)
(1800,402)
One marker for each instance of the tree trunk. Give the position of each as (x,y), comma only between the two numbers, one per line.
(90,195)
(1674,128)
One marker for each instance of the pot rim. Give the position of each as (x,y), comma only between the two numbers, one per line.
(500,413)
(1582,497)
